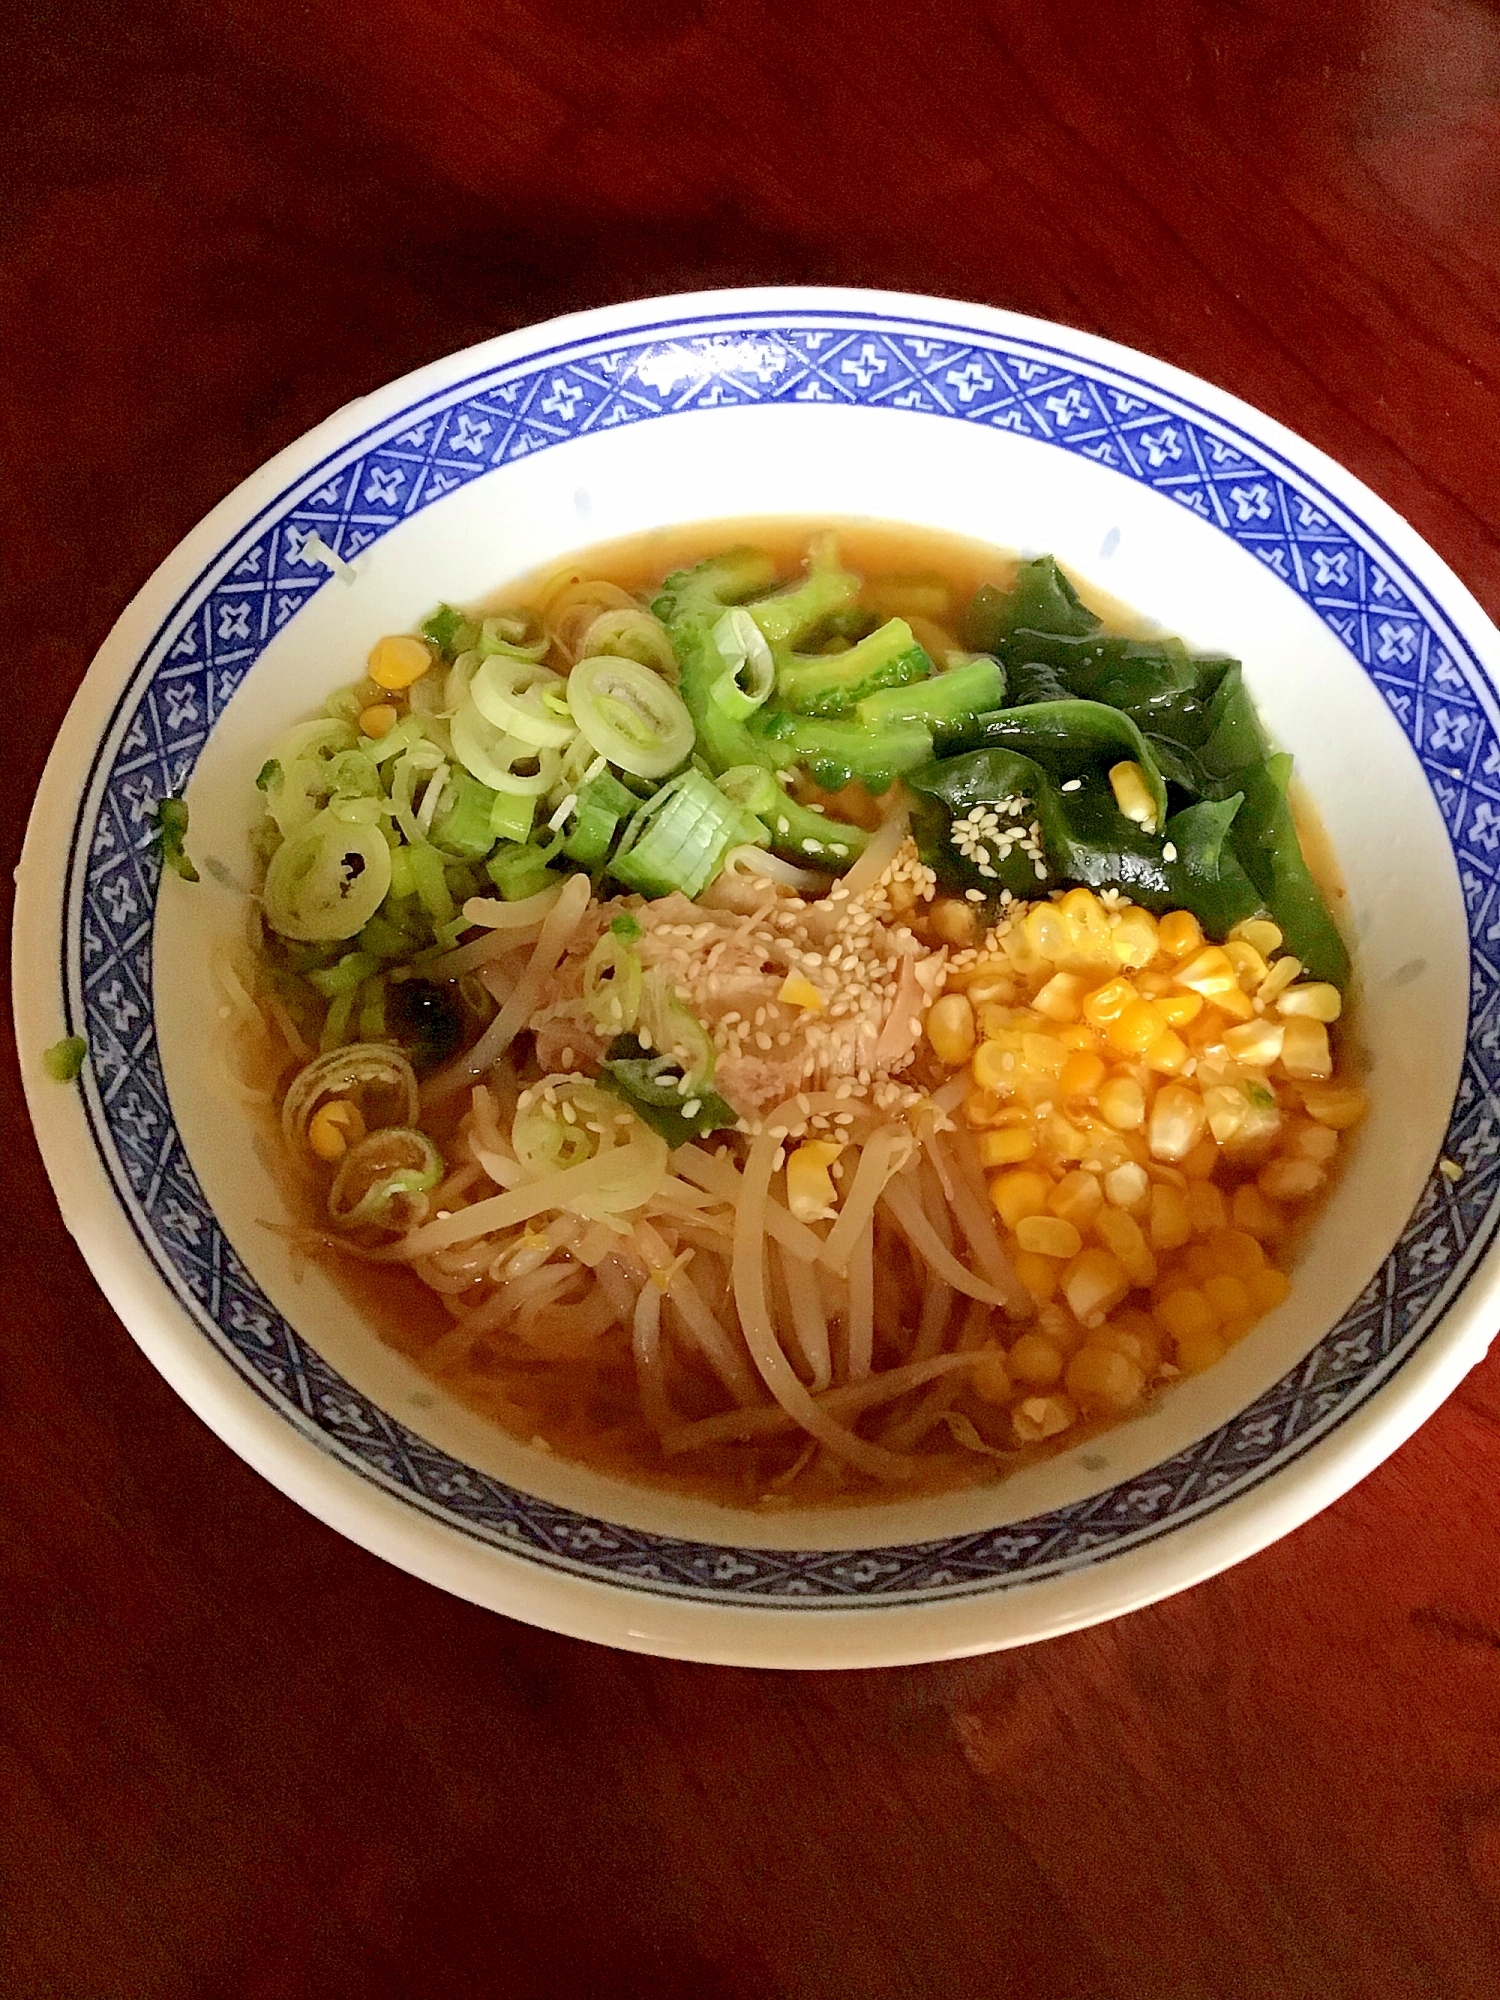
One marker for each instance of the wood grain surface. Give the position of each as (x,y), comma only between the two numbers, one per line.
(237,1755)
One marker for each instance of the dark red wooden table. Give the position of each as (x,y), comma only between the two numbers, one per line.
(237,1755)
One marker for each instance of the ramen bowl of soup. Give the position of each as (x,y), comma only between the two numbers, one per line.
(785,977)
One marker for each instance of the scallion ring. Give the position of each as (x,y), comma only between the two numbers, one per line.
(492,756)
(524,699)
(749,671)
(630,715)
(382,1175)
(328,880)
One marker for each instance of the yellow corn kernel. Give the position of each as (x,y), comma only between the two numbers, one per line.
(1249,966)
(1186,1312)
(797,990)
(809,1185)
(1133,1334)
(1178,1009)
(1170,1227)
(1124,1238)
(1040,1275)
(1122,1103)
(378,720)
(1307,1140)
(950,1026)
(1256,1044)
(1047,932)
(397,661)
(1094,1284)
(1088,921)
(1048,1236)
(1042,1417)
(1078,1037)
(1135,1028)
(1228,1296)
(1200,1163)
(1035,1361)
(1252,1213)
(1278,979)
(990,1378)
(1290,1180)
(1168,1054)
(993,1068)
(997,1018)
(1227,1108)
(1267,1288)
(1081,1075)
(1061,999)
(335,1127)
(1107,1002)
(1134,940)
(952,922)
(1128,1187)
(1337,1105)
(1207,1209)
(1236,1252)
(1316,1001)
(981,1108)
(1007,1147)
(1042,1056)
(1198,1261)
(1056,1323)
(1261,933)
(1102,1382)
(1199,1350)
(1128,783)
(1304,1050)
(1177,1122)
(1077,1198)
(1179,933)
(1209,972)
(1019,1194)
(1233,1001)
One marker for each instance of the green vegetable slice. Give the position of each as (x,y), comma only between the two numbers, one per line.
(171,820)
(464,821)
(679,838)
(832,683)
(630,715)
(63,1062)
(328,880)
(837,750)
(600,809)
(946,702)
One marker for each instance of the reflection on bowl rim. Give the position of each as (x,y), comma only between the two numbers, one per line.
(352,480)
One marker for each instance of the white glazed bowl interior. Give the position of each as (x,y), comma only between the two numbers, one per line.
(1241,576)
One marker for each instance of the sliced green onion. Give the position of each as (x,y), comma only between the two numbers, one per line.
(612,984)
(626,926)
(601,808)
(63,1062)
(749,671)
(352,970)
(546,1139)
(679,838)
(431,884)
(381,1174)
(518,872)
(630,715)
(171,816)
(352,775)
(492,756)
(372,1009)
(336,1022)
(327,881)
(517,633)
(379,1077)
(268,776)
(750,786)
(448,630)
(524,699)
(630,634)
(511,816)
(464,818)
(675,1032)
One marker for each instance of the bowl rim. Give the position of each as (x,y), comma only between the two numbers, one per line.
(297,1458)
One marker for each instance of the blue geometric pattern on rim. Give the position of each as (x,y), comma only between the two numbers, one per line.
(1433,687)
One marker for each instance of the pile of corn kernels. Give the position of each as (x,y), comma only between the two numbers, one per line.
(1153,1111)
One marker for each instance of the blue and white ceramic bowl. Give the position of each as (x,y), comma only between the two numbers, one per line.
(1370,662)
